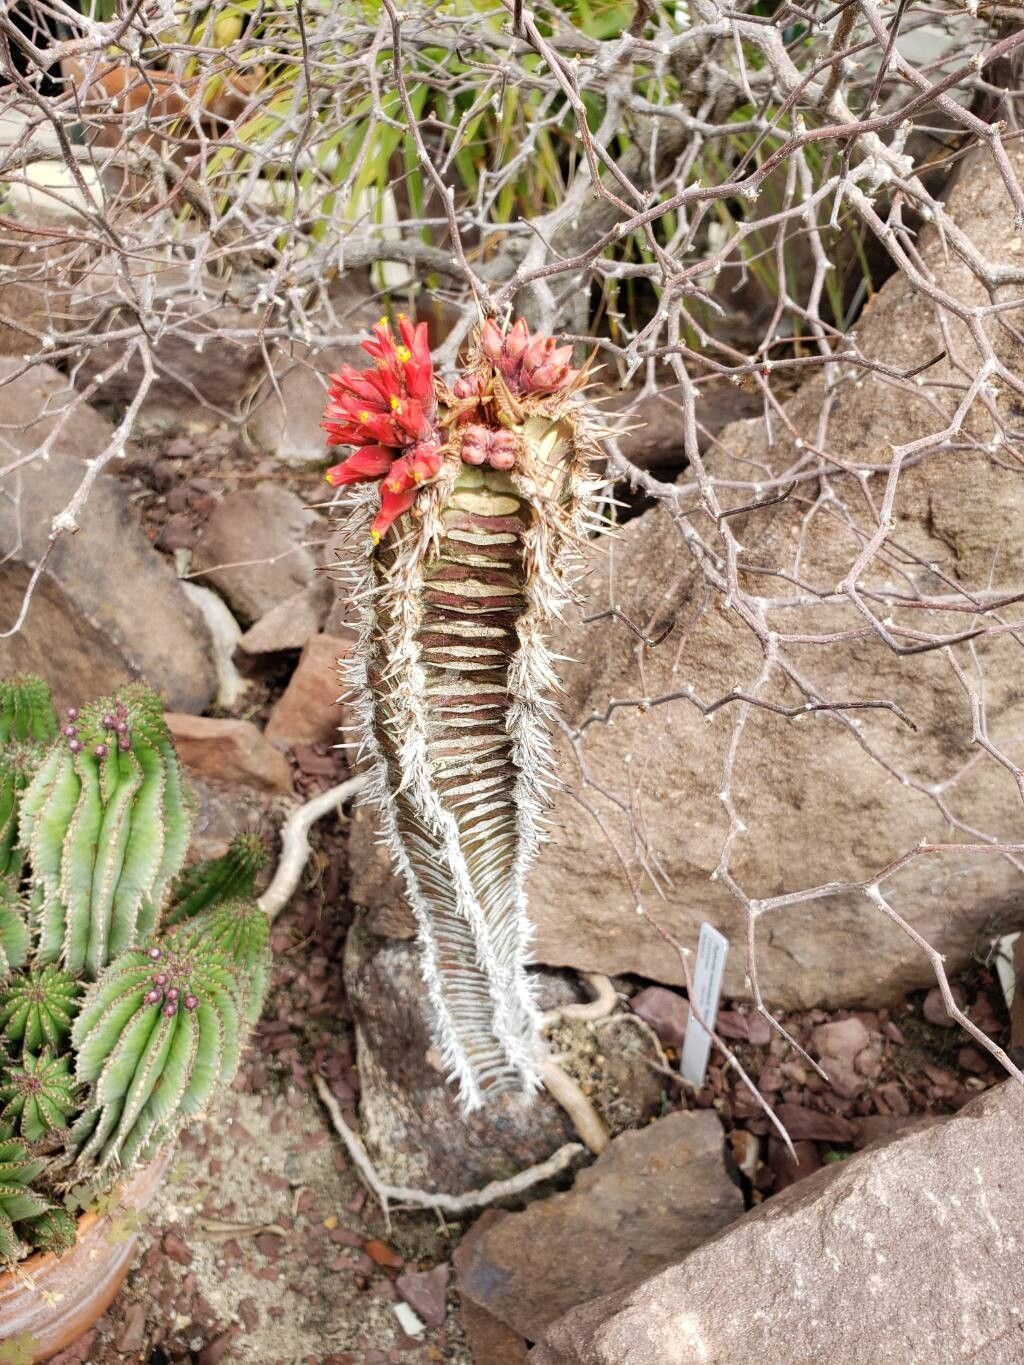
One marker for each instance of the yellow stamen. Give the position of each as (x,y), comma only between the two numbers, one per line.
(375,537)
(364,416)
(383,323)
(396,405)
(404,354)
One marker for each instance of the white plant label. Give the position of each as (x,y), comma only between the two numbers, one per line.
(712,948)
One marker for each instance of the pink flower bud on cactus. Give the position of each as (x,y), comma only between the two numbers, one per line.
(528,364)
(485,445)
(491,341)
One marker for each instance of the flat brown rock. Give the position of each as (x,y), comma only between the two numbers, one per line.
(229,751)
(255,549)
(307,712)
(651,1197)
(910,1251)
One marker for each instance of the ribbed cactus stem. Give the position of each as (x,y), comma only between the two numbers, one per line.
(240,929)
(18,1201)
(454,682)
(157,1035)
(19,760)
(106,821)
(14,933)
(54,1231)
(26,710)
(37,1008)
(37,1095)
(231,876)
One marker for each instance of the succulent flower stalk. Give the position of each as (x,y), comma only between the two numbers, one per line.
(106,821)
(473,539)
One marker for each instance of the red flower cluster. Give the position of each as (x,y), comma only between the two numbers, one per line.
(389,413)
(528,364)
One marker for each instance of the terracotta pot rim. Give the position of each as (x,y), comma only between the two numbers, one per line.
(42,1260)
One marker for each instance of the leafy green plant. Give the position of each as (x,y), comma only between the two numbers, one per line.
(114,1033)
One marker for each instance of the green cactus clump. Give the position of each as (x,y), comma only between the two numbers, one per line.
(18,762)
(14,934)
(18,1201)
(241,930)
(106,821)
(37,1007)
(54,1231)
(37,1096)
(225,878)
(157,1035)
(26,710)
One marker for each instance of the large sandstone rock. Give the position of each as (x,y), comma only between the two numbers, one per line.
(649,1199)
(206,355)
(107,608)
(285,419)
(909,1251)
(284,415)
(815,805)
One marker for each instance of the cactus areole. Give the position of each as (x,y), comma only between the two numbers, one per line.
(477,500)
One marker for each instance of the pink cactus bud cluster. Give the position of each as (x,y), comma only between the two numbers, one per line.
(485,445)
(162,990)
(528,364)
(116,724)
